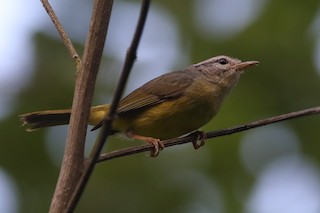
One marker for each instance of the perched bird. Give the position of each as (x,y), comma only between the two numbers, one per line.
(168,106)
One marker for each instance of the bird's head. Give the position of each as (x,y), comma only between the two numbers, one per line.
(223,69)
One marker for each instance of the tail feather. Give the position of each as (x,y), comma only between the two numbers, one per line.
(40,119)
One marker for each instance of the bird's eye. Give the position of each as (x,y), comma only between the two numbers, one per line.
(222,61)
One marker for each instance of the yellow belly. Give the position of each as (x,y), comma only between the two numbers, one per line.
(167,120)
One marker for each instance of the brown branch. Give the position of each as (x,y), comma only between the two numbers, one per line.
(213,134)
(66,41)
(73,159)
(106,125)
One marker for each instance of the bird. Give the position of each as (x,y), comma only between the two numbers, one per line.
(174,104)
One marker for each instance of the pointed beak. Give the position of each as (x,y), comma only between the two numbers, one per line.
(244,65)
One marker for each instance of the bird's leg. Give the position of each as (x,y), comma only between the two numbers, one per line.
(156,143)
(201,136)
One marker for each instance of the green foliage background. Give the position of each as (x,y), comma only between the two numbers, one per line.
(284,81)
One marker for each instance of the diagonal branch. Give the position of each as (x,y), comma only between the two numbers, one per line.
(213,134)
(66,41)
(107,122)
(73,158)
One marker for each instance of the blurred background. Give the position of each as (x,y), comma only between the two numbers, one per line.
(265,170)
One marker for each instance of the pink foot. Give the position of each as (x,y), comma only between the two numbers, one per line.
(156,143)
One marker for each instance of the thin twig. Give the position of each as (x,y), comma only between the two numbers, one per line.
(73,158)
(213,134)
(66,41)
(106,127)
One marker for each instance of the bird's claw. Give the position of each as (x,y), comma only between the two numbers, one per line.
(157,146)
(201,136)
(156,143)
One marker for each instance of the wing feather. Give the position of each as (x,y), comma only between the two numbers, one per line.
(158,90)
